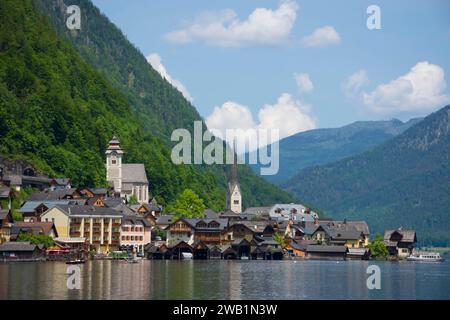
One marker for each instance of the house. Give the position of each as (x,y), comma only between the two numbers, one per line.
(318,232)
(150,211)
(100,226)
(228,252)
(77,244)
(292,211)
(13,251)
(348,225)
(35,228)
(258,253)
(351,238)
(57,194)
(242,248)
(178,248)
(96,201)
(92,192)
(326,252)
(230,215)
(6,222)
(180,230)
(400,242)
(31,210)
(215,252)
(162,222)
(127,180)
(201,250)
(135,233)
(239,230)
(260,213)
(297,248)
(60,183)
(157,252)
(209,231)
(358,254)
(352,234)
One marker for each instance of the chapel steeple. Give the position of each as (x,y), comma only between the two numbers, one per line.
(234,197)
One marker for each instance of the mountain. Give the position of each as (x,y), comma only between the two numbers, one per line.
(404,182)
(322,146)
(61,101)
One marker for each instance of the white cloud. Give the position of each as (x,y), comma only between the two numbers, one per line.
(155,60)
(288,115)
(304,82)
(354,84)
(230,115)
(420,90)
(322,37)
(224,29)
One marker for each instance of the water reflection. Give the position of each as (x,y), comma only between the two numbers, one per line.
(225,280)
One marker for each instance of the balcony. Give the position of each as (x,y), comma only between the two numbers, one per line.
(183,229)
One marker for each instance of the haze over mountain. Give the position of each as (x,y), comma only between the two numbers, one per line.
(404,182)
(321,146)
(64,93)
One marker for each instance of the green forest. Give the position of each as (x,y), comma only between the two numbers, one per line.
(404,182)
(61,100)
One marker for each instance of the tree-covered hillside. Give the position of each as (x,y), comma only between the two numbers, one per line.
(404,182)
(103,46)
(58,112)
(322,146)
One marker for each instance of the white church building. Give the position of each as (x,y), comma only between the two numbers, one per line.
(127,179)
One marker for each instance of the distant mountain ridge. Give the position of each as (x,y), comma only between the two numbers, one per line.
(403,182)
(322,146)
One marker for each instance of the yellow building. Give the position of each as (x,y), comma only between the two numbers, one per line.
(100,226)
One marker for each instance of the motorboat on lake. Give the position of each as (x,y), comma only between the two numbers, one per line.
(425,257)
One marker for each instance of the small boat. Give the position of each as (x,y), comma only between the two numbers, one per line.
(425,257)
(187,255)
(76,261)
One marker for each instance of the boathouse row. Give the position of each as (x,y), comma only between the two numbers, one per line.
(242,249)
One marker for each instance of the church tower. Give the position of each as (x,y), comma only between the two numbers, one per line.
(234,197)
(114,155)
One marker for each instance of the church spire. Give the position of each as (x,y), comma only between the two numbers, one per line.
(234,197)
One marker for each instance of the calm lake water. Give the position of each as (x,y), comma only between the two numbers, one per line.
(226,280)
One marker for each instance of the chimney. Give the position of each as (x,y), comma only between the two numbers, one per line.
(303,222)
(316,221)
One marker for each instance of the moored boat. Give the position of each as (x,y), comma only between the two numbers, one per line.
(425,257)
(76,261)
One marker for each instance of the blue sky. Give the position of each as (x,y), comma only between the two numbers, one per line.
(349,72)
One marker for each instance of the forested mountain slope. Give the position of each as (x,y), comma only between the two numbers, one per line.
(322,146)
(58,110)
(403,182)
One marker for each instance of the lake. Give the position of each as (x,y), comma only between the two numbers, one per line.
(225,280)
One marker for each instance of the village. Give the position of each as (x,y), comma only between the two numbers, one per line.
(62,223)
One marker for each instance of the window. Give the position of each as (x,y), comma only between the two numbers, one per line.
(113,161)
(201,224)
(236,201)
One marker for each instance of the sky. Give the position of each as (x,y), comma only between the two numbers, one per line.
(295,65)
